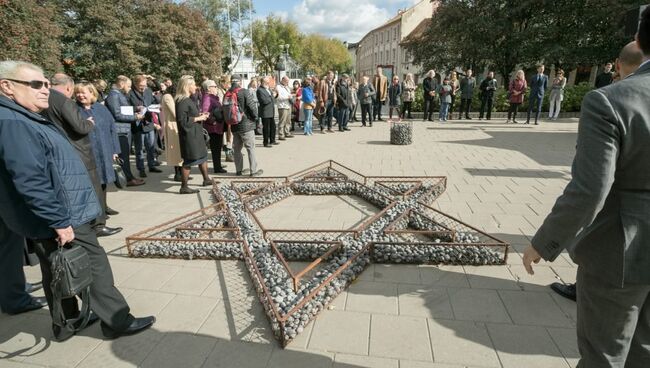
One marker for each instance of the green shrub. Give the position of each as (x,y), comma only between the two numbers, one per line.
(573,96)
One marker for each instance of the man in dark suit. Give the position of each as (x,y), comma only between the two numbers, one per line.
(429,88)
(606,77)
(467,86)
(267,112)
(628,61)
(63,112)
(538,85)
(602,218)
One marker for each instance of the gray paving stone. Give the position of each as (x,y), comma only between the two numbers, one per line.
(533,308)
(372,297)
(461,342)
(525,346)
(341,332)
(227,354)
(478,305)
(399,338)
(424,301)
(358,361)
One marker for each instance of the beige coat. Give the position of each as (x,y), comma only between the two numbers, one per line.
(172,144)
(380,82)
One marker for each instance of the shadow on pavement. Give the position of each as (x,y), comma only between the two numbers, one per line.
(520,173)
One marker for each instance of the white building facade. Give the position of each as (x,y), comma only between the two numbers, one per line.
(382,46)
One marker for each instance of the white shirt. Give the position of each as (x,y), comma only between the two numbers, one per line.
(284,94)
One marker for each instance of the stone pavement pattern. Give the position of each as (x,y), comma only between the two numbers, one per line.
(501,178)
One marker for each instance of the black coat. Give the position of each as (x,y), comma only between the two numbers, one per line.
(190,133)
(267,106)
(64,113)
(142,99)
(343,95)
(429,85)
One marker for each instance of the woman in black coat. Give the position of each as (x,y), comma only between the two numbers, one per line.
(190,129)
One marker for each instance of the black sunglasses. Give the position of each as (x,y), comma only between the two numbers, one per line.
(34,84)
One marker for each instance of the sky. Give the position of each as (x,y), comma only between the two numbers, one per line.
(347,20)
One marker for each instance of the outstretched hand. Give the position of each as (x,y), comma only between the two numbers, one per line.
(530,256)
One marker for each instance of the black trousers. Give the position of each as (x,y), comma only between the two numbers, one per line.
(105,300)
(216,142)
(451,106)
(366,109)
(376,109)
(486,102)
(125,155)
(512,111)
(465,106)
(100,221)
(428,109)
(268,130)
(406,110)
(13,296)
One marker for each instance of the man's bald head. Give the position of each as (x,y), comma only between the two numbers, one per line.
(63,83)
(629,59)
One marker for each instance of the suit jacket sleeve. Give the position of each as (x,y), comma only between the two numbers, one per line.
(70,115)
(593,174)
(31,174)
(263,97)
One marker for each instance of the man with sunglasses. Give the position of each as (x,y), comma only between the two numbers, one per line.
(46,196)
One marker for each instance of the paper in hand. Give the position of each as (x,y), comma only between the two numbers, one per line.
(127,110)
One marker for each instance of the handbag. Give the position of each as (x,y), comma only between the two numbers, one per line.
(120,178)
(71,277)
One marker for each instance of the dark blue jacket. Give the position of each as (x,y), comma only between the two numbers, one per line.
(103,140)
(44,185)
(114,102)
(145,100)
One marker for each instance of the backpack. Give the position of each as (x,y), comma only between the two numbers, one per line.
(230,107)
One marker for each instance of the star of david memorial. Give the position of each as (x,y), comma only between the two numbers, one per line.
(406,229)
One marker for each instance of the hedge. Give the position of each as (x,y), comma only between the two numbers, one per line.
(572,99)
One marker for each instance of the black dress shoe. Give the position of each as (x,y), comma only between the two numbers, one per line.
(111,212)
(30,288)
(238,173)
(220,170)
(107,231)
(187,190)
(568,291)
(138,325)
(207,183)
(155,170)
(37,302)
(143,174)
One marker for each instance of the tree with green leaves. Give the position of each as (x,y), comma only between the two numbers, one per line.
(231,20)
(31,33)
(320,54)
(269,37)
(502,34)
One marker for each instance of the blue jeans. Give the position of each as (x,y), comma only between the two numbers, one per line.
(148,139)
(444,110)
(309,114)
(342,118)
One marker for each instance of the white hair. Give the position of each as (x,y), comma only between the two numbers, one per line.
(9,69)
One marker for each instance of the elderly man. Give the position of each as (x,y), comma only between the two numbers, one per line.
(602,218)
(63,112)
(267,112)
(283,99)
(628,61)
(243,135)
(46,196)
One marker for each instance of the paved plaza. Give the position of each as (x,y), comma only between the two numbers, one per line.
(502,179)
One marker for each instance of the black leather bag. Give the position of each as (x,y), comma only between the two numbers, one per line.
(71,277)
(120,178)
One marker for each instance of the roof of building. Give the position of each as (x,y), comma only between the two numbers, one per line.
(417,33)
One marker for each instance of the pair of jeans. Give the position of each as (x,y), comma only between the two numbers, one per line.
(444,110)
(309,115)
(148,140)
(125,155)
(342,118)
